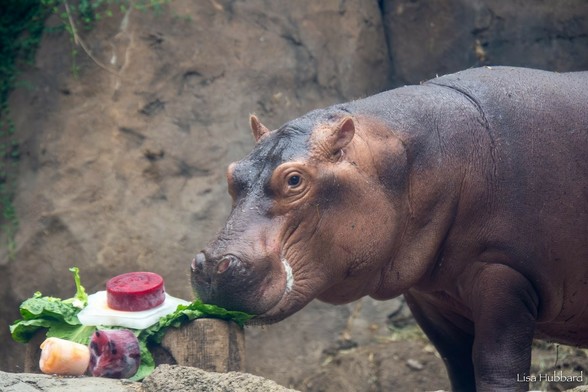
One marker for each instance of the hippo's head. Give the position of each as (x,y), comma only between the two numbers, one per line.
(312,217)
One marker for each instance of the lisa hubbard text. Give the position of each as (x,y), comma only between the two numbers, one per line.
(555,377)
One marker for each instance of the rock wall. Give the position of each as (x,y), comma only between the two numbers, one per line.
(428,38)
(122,167)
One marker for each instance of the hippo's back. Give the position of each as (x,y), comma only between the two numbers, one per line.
(520,103)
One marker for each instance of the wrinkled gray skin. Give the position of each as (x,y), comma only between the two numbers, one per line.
(468,194)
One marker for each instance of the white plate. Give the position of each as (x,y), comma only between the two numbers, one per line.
(97,312)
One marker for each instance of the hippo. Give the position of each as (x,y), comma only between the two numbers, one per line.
(467,194)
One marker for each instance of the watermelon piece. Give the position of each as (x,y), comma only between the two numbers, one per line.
(114,354)
(135,291)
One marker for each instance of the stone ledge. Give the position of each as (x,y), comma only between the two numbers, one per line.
(30,382)
(172,378)
(165,378)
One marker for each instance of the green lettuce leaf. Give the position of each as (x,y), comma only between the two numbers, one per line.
(23,330)
(147,363)
(49,308)
(80,300)
(75,333)
(50,313)
(186,313)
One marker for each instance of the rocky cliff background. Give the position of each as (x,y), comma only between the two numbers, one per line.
(121,166)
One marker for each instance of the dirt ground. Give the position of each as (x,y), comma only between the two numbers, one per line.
(374,346)
(408,362)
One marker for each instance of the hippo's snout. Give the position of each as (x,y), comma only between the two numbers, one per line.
(207,268)
(234,282)
(209,273)
(230,281)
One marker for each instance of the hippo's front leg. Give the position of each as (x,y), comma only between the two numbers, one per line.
(504,309)
(452,336)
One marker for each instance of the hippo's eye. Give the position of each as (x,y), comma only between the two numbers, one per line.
(294,180)
(290,182)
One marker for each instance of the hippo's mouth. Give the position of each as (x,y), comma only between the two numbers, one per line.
(289,303)
(265,288)
(276,312)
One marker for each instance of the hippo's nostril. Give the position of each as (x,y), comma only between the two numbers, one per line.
(225,263)
(198,262)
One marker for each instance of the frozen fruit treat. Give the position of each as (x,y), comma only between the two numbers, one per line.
(135,291)
(59,356)
(114,353)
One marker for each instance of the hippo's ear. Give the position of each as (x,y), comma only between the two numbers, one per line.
(340,135)
(257,127)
